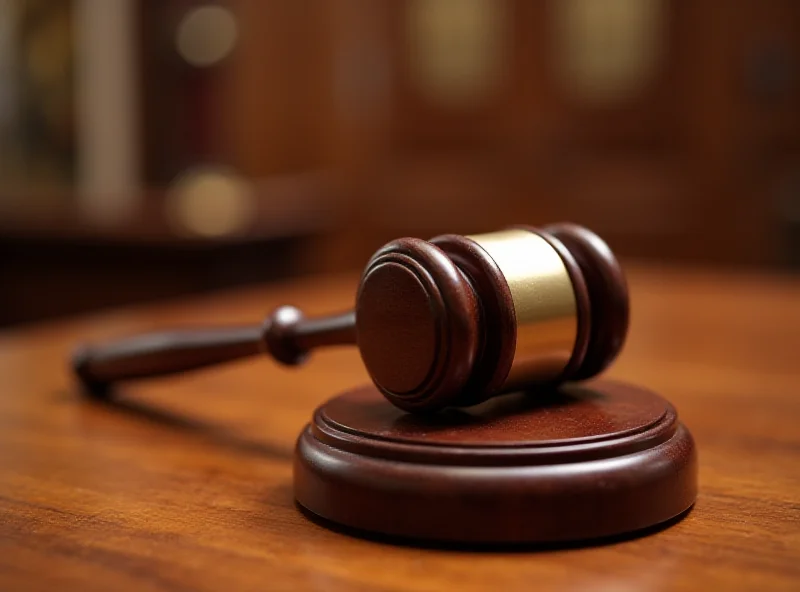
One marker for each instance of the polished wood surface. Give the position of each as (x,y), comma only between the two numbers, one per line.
(567,464)
(185,484)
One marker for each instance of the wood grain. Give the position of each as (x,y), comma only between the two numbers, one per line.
(580,461)
(185,484)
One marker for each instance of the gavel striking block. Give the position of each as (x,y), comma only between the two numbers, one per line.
(443,326)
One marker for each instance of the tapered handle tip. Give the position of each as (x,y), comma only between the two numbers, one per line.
(80,361)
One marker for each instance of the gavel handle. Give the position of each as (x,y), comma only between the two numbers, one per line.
(286,335)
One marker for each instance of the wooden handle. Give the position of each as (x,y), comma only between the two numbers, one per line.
(286,335)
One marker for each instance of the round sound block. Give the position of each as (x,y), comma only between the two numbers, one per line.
(578,462)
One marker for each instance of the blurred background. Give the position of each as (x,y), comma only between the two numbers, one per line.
(156,148)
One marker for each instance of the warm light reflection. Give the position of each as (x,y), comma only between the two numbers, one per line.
(211,202)
(206,35)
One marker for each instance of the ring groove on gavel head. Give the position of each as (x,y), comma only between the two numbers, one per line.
(458,319)
(608,294)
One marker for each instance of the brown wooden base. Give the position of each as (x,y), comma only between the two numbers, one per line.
(584,461)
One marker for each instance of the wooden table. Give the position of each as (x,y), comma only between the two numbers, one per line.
(186,483)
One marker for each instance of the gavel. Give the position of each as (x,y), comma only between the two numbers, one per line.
(449,322)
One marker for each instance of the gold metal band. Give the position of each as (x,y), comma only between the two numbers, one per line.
(544,304)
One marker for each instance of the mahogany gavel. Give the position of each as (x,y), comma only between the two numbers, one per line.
(448,322)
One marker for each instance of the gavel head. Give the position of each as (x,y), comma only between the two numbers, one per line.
(459,319)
